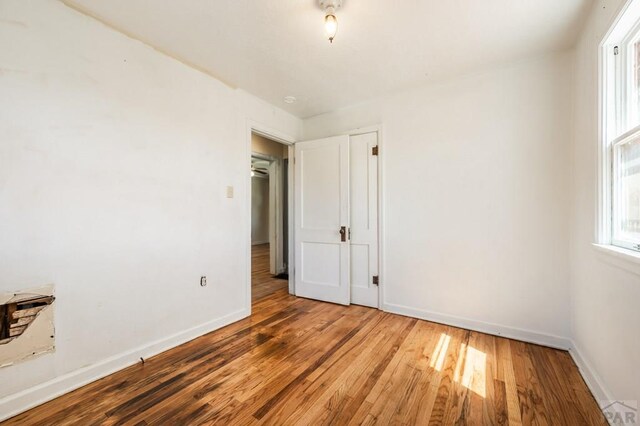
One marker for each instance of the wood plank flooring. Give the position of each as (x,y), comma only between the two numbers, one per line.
(262,282)
(301,362)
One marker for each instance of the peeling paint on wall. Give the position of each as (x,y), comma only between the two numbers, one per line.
(26,324)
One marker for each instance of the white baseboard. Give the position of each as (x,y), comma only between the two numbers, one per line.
(594,382)
(32,397)
(483,327)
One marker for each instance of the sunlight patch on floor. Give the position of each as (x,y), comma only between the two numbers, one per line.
(475,371)
(440,353)
(471,366)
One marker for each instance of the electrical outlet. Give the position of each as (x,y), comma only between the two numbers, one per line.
(203,281)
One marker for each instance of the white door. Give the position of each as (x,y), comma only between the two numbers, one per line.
(364,219)
(322,219)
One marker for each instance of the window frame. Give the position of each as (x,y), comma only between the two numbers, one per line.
(619,96)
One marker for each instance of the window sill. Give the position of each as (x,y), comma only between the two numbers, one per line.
(620,257)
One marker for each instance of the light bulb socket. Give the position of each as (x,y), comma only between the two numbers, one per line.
(334,4)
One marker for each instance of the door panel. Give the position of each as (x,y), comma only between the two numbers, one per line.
(316,273)
(363,178)
(320,179)
(321,209)
(359,266)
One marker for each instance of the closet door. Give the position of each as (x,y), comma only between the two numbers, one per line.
(322,219)
(363,177)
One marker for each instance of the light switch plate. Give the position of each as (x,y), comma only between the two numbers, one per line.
(229,191)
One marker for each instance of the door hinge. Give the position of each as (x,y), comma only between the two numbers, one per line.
(376,280)
(374,150)
(615,50)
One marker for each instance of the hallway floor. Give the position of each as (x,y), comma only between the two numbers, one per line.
(262,282)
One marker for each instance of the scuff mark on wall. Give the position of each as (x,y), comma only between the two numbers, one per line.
(26,324)
(14,23)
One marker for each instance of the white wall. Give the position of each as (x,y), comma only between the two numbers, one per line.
(259,210)
(114,161)
(476,180)
(605,291)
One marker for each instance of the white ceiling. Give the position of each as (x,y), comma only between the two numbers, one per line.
(277,48)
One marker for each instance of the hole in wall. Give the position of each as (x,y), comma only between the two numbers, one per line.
(26,324)
(17,314)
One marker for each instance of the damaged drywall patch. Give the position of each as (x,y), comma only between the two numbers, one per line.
(26,324)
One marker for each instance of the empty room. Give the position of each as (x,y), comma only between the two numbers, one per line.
(304,212)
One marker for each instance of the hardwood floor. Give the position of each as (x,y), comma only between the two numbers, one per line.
(262,282)
(298,361)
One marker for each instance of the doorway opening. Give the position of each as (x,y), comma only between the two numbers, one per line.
(269,216)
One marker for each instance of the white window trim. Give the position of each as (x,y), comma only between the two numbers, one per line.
(628,260)
(623,30)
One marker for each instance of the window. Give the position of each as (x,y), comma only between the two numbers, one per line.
(620,166)
(626,192)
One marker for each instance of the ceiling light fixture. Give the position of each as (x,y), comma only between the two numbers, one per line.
(330,20)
